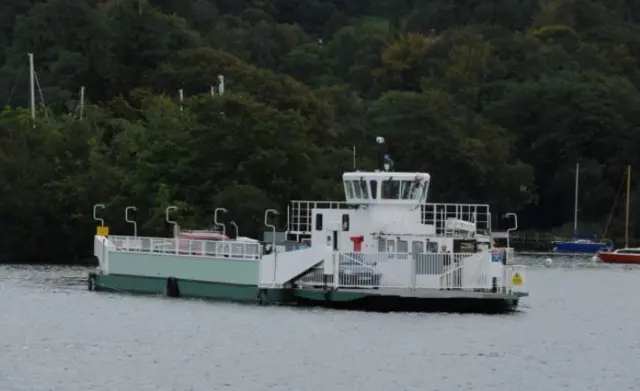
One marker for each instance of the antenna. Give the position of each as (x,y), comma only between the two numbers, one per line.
(354,158)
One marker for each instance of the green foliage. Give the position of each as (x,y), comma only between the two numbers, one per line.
(497,100)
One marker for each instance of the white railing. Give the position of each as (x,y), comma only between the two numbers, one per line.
(448,219)
(299,216)
(177,246)
(444,216)
(465,271)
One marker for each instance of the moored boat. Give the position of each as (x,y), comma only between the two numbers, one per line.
(580,243)
(623,255)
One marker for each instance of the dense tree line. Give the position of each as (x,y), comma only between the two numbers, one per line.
(497,99)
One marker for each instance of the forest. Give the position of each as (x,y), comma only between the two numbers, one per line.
(496,99)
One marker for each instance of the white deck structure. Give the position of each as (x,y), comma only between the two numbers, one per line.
(385,235)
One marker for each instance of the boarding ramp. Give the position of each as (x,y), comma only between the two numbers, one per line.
(279,268)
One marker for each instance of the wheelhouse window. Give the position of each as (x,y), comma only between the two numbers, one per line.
(348,189)
(357,191)
(390,190)
(374,189)
(363,187)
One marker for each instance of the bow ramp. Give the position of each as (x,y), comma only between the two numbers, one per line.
(277,269)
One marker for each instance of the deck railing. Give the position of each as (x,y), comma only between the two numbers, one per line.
(462,271)
(179,246)
(439,215)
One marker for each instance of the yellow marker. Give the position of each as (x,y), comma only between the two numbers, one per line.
(516,280)
(102,230)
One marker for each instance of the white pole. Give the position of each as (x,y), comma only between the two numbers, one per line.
(215,219)
(575,209)
(32,87)
(95,213)
(81,102)
(128,220)
(221,84)
(273,241)
(181,94)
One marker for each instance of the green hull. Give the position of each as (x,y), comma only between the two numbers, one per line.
(351,299)
(185,288)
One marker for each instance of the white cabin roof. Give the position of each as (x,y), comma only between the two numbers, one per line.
(386,187)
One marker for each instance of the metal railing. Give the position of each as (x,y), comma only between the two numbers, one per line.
(465,271)
(178,246)
(441,216)
(299,216)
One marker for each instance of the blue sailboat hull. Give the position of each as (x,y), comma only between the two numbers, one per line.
(581,247)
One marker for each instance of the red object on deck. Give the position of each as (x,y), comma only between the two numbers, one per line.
(620,256)
(357,243)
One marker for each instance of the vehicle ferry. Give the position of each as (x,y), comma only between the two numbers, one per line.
(384,248)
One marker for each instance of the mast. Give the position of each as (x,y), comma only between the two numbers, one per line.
(32,87)
(626,225)
(575,207)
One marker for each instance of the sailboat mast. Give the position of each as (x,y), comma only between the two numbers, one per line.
(626,225)
(32,86)
(575,207)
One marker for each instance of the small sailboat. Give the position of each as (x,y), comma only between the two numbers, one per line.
(581,243)
(624,255)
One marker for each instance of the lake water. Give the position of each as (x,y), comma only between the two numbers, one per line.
(577,331)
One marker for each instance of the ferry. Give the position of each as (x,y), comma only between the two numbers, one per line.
(384,248)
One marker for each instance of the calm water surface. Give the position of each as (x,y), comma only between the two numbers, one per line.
(578,331)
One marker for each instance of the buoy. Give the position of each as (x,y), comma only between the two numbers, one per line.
(548,261)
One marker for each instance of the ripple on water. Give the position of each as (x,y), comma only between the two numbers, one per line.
(572,333)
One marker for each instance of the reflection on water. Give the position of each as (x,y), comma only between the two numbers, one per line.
(572,333)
